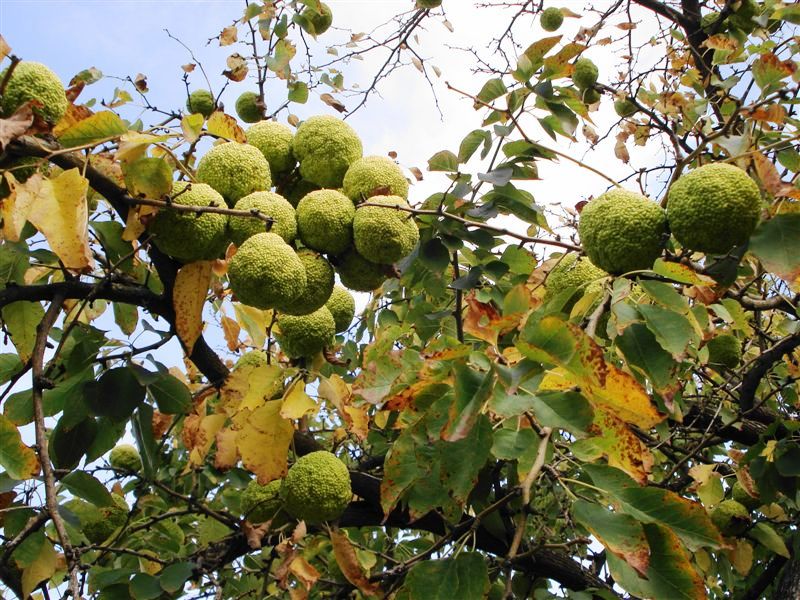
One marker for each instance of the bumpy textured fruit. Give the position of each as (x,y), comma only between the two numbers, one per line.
(357,273)
(97,524)
(724,351)
(189,236)
(713,208)
(573,272)
(35,81)
(343,308)
(319,284)
(317,22)
(254,358)
(266,271)
(374,176)
(247,108)
(326,147)
(305,335)
(625,108)
(730,517)
(201,101)
(741,496)
(384,234)
(325,221)
(299,190)
(585,74)
(275,142)
(317,488)
(622,231)
(125,457)
(551,18)
(234,170)
(270,204)
(261,503)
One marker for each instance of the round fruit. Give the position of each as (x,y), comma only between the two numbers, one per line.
(299,190)
(343,308)
(191,236)
(551,18)
(305,335)
(584,74)
(325,221)
(374,176)
(34,81)
(248,109)
(429,3)
(268,204)
(574,273)
(201,101)
(326,147)
(126,458)
(384,234)
(359,274)
(741,496)
(317,22)
(266,271)
(625,108)
(590,96)
(622,231)
(724,351)
(234,170)
(253,358)
(262,503)
(730,517)
(275,142)
(713,208)
(317,488)
(319,284)
(97,524)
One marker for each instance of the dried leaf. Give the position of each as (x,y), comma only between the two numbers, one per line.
(254,534)
(237,67)
(263,441)
(5,49)
(188,299)
(333,102)
(348,562)
(16,125)
(228,36)
(188,68)
(230,330)
(140,82)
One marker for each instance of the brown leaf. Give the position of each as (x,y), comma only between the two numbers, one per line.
(485,322)
(332,102)
(293,120)
(140,82)
(75,114)
(231,329)
(416,173)
(16,125)
(161,423)
(237,67)
(227,454)
(188,68)
(5,49)
(771,179)
(417,63)
(304,572)
(228,36)
(74,91)
(621,151)
(626,26)
(254,534)
(772,113)
(348,562)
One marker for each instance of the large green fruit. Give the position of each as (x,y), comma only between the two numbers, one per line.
(234,170)
(34,81)
(429,3)
(724,351)
(622,231)
(325,221)
(384,234)
(125,457)
(316,22)
(625,108)
(584,74)
(268,204)
(730,517)
(319,284)
(574,273)
(253,358)
(326,147)
(261,503)
(741,496)
(374,176)
(305,335)
(275,142)
(343,308)
(248,109)
(551,18)
(713,208)
(317,488)
(357,273)
(202,102)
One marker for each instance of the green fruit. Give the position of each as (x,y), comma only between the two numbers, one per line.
(317,488)
(497,591)
(584,74)
(126,458)
(253,358)
(248,109)
(357,273)
(262,503)
(384,235)
(305,335)
(713,208)
(574,273)
(325,221)
(34,81)
(266,272)
(201,101)
(551,18)
(343,308)
(326,147)
(724,351)
(97,524)
(275,142)
(374,176)
(622,231)
(625,108)
(429,3)
(590,96)
(234,170)
(299,190)
(730,517)
(740,495)
(316,22)
(189,236)
(269,204)
(319,284)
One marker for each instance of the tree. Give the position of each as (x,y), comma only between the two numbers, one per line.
(516,422)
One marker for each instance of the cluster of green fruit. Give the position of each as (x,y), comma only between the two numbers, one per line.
(349,208)
(316,489)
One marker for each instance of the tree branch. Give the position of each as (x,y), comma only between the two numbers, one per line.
(762,364)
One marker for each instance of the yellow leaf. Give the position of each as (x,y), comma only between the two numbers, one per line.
(248,387)
(337,392)
(134,224)
(230,330)
(133,145)
(296,402)
(42,568)
(254,321)
(741,556)
(225,126)
(617,442)
(13,209)
(192,127)
(263,441)
(57,208)
(188,298)
(198,435)
(304,571)
(227,454)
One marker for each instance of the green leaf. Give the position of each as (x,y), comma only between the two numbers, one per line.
(16,458)
(174,576)
(148,177)
(665,295)
(562,410)
(443,160)
(68,443)
(115,395)
(21,320)
(620,534)
(85,486)
(145,587)
(126,316)
(10,365)
(765,535)
(145,440)
(627,577)
(491,90)
(472,389)
(776,243)
(671,574)
(41,569)
(462,460)
(465,577)
(171,395)
(472,142)
(672,330)
(510,444)
(298,92)
(100,126)
(118,251)
(790,13)
(643,352)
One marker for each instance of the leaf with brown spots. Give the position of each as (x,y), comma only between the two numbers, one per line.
(228,36)
(771,179)
(237,67)
(614,440)
(484,321)
(348,562)
(188,299)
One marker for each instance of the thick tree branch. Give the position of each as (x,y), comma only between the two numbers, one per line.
(761,366)
(79,290)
